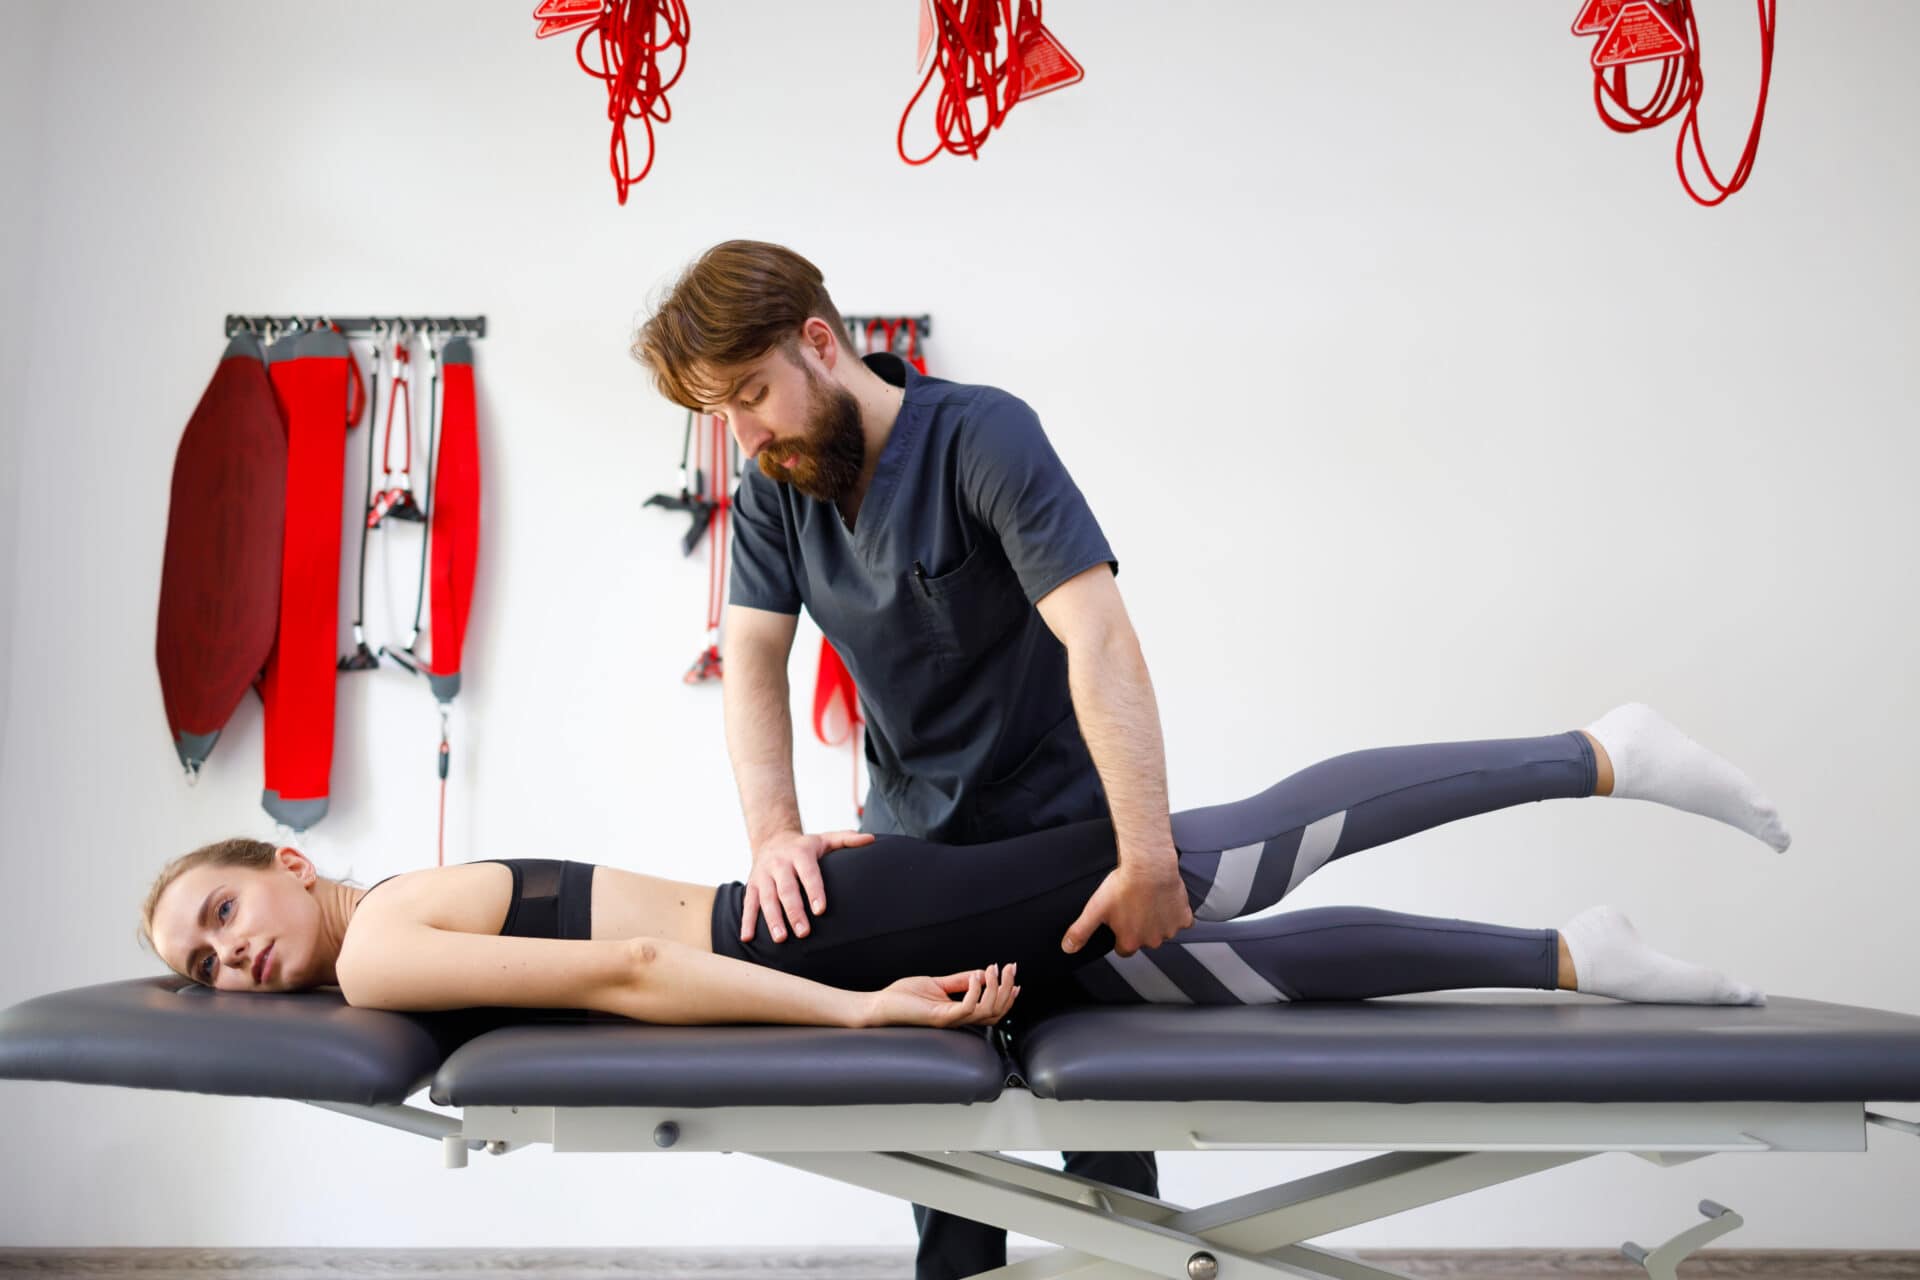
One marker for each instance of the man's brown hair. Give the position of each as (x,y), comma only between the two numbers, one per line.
(738,301)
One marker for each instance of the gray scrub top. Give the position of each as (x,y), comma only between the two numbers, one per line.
(929,598)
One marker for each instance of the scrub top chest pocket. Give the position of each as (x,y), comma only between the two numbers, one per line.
(970,608)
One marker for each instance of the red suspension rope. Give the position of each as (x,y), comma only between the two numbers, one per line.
(1665,31)
(722,474)
(719,503)
(972,64)
(965,59)
(634,36)
(1690,127)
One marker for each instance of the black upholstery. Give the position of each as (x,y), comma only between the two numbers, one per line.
(168,1033)
(164,1033)
(597,1064)
(1478,1047)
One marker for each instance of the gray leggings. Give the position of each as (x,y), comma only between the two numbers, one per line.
(1238,858)
(903,906)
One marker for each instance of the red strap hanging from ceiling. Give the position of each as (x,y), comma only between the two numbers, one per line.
(965,38)
(633,37)
(1664,31)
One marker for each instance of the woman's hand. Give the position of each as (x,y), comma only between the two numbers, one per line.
(986,995)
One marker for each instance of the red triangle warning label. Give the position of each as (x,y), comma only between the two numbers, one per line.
(1641,32)
(1596,16)
(554,26)
(1045,65)
(555,16)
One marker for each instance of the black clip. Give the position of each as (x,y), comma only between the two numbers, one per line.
(701,509)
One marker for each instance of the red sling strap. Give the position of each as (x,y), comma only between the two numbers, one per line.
(310,376)
(220,575)
(454,527)
(836,711)
(836,698)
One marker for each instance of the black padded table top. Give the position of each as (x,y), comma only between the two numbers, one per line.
(168,1033)
(603,1064)
(1478,1047)
(164,1033)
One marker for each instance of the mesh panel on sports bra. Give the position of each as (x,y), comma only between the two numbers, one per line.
(551,899)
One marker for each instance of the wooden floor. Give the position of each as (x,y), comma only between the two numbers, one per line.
(844,1264)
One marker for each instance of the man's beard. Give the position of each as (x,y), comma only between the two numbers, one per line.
(828,459)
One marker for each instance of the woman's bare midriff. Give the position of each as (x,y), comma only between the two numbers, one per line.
(627,904)
(473,897)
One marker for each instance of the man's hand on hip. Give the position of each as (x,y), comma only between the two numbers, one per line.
(785,881)
(1144,905)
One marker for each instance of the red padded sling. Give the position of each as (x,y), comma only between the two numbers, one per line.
(454,525)
(310,376)
(220,575)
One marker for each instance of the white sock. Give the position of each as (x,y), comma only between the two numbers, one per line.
(1653,760)
(1611,959)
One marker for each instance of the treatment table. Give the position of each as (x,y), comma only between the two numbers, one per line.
(1456,1092)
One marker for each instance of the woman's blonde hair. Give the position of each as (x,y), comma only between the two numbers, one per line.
(255,855)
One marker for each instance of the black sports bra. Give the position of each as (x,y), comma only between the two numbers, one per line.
(551,898)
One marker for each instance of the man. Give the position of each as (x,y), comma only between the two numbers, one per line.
(933,534)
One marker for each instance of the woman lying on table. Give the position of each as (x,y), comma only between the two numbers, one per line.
(246,915)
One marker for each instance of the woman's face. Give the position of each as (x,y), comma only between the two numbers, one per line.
(237,929)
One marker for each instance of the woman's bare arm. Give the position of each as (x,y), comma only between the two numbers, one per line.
(417,968)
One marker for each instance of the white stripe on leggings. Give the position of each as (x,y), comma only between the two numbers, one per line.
(1144,976)
(1316,843)
(1235,974)
(1232,883)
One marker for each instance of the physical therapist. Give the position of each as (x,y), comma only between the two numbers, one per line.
(933,534)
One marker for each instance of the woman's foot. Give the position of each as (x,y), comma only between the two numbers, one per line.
(1611,959)
(1653,760)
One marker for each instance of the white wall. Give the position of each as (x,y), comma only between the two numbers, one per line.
(1416,403)
(23,79)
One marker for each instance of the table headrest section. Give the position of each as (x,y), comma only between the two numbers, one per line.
(168,1033)
(1476,1047)
(609,1064)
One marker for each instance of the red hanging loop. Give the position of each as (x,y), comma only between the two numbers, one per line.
(719,503)
(356,381)
(964,61)
(1635,31)
(403,390)
(835,692)
(914,357)
(974,62)
(632,36)
(396,501)
(1690,127)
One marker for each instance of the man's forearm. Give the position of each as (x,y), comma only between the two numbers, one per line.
(1113,699)
(760,744)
